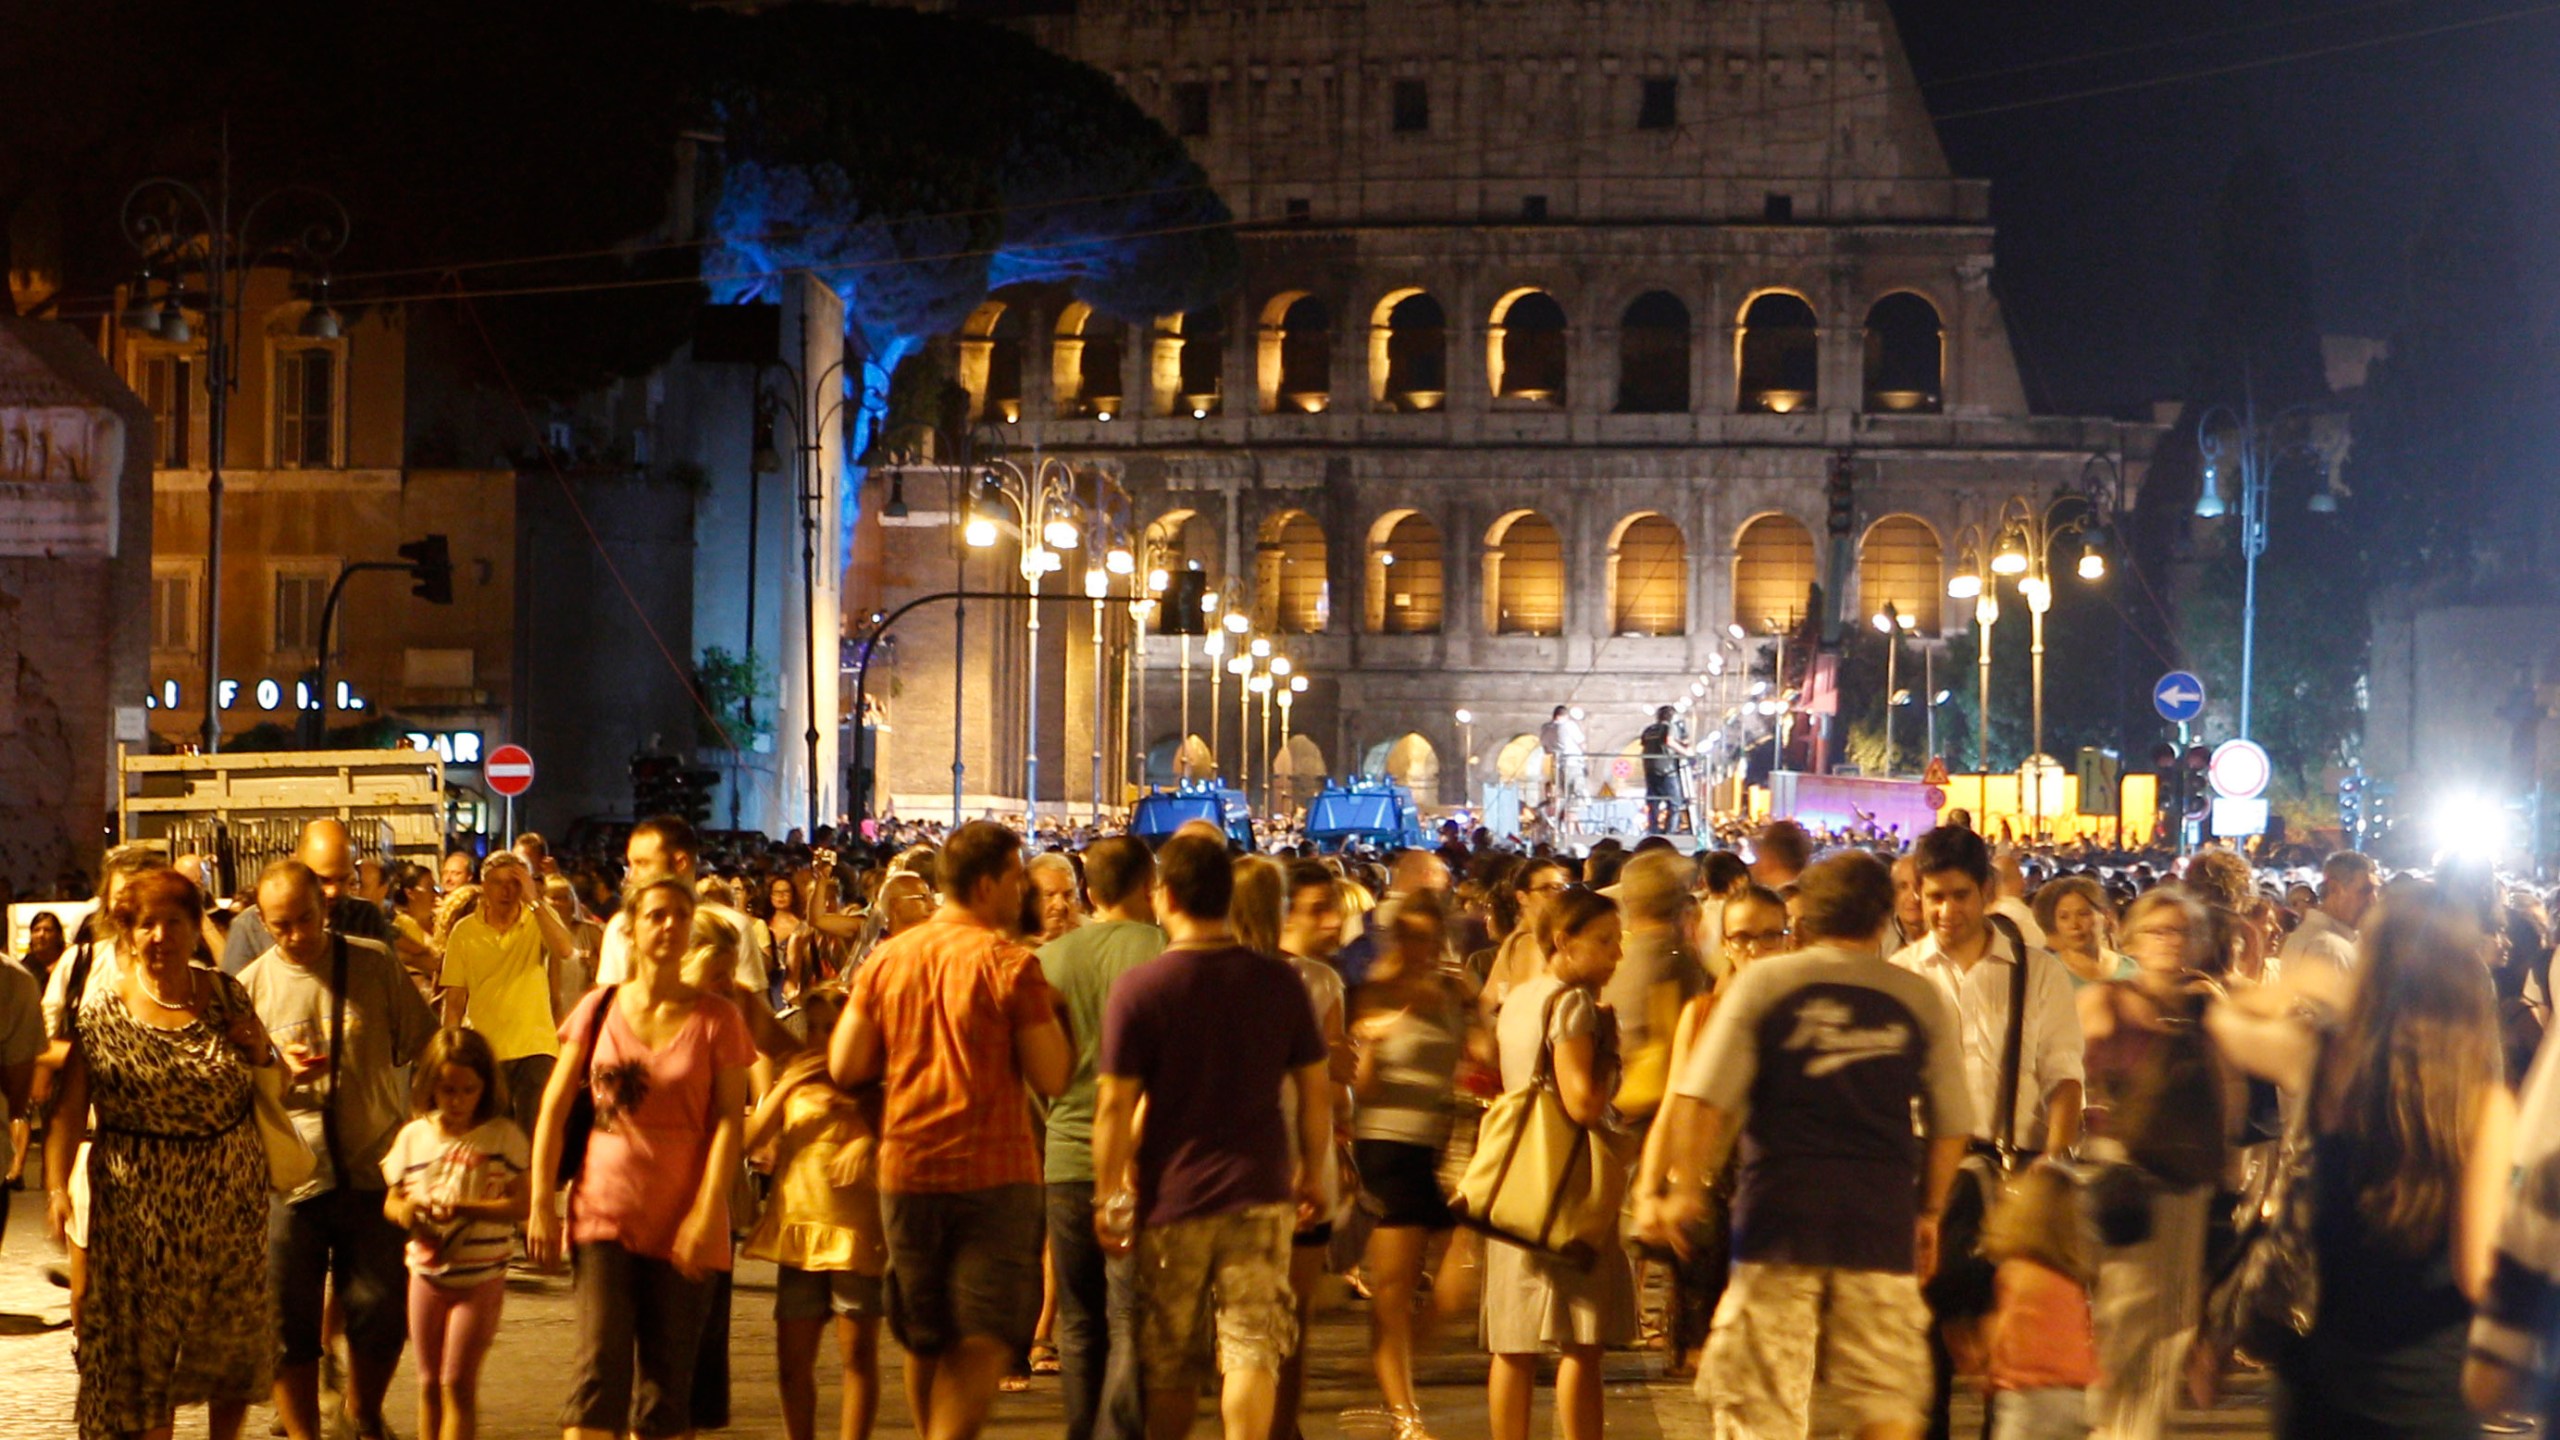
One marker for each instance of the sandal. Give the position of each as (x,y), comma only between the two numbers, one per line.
(1014,1385)
(1044,1359)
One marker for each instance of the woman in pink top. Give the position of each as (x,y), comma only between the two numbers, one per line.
(649,1207)
(2041,1347)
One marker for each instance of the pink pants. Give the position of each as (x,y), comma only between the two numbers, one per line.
(452,1328)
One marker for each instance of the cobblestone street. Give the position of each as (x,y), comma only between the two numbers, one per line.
(522,1385)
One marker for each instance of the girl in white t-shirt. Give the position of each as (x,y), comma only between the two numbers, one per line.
(457,1185)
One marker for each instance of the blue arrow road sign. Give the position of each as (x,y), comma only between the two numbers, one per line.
(2179,697)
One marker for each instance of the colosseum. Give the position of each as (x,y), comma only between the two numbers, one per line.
(1576,344)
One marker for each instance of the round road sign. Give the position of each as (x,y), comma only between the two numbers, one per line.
(2240,770)
(509,770)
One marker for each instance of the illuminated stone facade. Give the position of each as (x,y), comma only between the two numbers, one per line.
(1555,322)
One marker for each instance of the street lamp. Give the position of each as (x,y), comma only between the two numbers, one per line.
(1288,695)
(2240,434)
(1467,748)
(1107,553)
(1043,501)
(1241,666)
(182,233)
(809,422)
(1894,624)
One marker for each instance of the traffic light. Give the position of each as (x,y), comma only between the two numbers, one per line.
(653,784)
(693,794)
(1841,498)
(431,569)
(2351,810)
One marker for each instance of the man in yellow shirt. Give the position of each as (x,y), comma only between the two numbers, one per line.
(497,977)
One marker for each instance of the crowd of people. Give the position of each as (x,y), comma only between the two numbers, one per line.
(1838,1127)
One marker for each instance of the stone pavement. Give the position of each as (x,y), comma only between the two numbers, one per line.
(526,1374)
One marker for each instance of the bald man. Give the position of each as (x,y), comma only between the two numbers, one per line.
(330,853)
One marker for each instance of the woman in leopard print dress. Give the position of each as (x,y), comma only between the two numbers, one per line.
(176,1311)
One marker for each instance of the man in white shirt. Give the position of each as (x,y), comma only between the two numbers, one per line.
(1567,754)
(2319,958)
(1970,960)
(659,847)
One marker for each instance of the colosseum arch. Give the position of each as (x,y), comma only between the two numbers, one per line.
(1653,355)
(1184,539)
(1524,579)
(1905,355)
(1408,352)
(1525,348)
(1295,354)
(1189,366)
(1291,595)
(1648,577)
(1778,355)
(1408,760)
(1773,573)
(1405,591)
(990,364)
(1297,772)
(1084,363)
(1900,559)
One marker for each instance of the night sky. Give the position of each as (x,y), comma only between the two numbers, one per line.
(2103,200)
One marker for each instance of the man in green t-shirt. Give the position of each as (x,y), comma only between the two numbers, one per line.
(1097,1349)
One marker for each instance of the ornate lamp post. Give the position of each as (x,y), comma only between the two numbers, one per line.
(2259,446)
(1894,624)
(1107,553)
(1043,501)
(199,256)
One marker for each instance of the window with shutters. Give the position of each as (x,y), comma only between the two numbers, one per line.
(306,424)
(300,592)
(167,381)
(173,608)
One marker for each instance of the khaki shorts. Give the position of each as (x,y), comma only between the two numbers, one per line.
(1235,1266)
(1865,1333)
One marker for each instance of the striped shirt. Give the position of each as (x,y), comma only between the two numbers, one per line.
(429,1167)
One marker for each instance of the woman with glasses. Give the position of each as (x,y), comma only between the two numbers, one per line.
(1755,925)
(1520,959)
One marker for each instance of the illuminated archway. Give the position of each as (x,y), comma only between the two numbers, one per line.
(1291,592)
(1189,366)
(1773,574)
(1084,363)
(1648,577)
(1408,760)
(1779,359)
(1296,354)
(1408,352)
(1524,580)
(1405,592)
(1900,560)
(1525,348)
(990,362)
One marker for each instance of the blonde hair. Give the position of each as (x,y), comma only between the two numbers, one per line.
(712,962)
(2037,1218)
(1254,913)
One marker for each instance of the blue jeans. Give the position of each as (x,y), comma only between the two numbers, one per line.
(1097,1326)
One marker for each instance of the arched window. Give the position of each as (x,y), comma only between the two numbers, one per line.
(1899,560)
(1773,574)
(1408,760)
(1653,355)
(1198,342)
(1404,575)
(1648,578)
(1523,576)
(1297,354)
(1297,772)
(1409,353)
(1524,348)
(1905,355)
(991,362)
(1184,540)
(1085,363)
(1290,592)
(1780,363)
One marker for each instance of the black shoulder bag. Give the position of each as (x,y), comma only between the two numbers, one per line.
(581,1121)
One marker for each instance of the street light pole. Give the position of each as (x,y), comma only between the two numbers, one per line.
(1043,500)
(178,230)
(2219,431)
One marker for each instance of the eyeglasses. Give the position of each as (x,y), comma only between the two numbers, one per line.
(1555,888)
(1756,939)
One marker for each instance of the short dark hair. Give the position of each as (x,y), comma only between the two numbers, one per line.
(1846,897)
(1117,868)
(1574,911)
(1724,870)
(1196,875)
(1952,847)
(1785,842)
(1308,874)
(674,832)
(976,852)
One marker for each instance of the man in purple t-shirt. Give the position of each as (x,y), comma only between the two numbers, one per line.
(1206,1032)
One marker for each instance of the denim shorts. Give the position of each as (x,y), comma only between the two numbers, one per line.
(817,1294)
(963,1263)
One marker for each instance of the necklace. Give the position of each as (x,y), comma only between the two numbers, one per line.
(142,978)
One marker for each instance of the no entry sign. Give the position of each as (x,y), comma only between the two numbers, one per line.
(509,770)
(2240,770)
